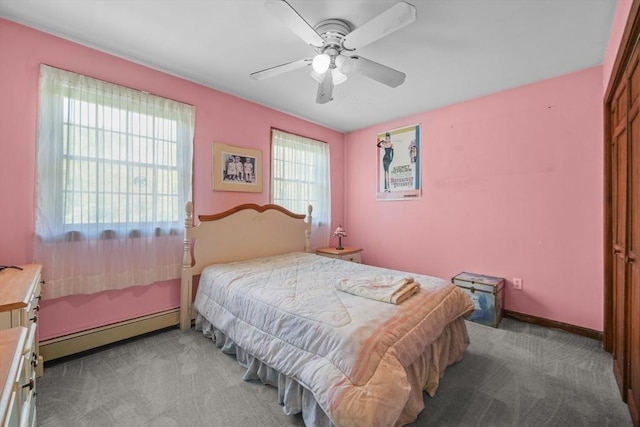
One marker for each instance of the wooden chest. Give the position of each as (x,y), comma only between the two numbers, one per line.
(487,294)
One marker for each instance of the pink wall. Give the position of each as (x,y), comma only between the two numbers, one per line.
(219,117)
(512,187)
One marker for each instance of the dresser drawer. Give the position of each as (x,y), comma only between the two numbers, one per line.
(27,381)
(13,362)
(31,310)
(12,416)
(19,305)
(355,257)
(28,404)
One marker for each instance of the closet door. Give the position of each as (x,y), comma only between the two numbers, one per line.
(622,215)
(633,278)
(618,230)
(633,243)
(625,231)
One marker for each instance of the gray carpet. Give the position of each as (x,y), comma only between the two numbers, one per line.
(517,375)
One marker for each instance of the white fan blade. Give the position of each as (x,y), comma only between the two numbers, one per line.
(288,15)
(279,69)
(371,69)
(325,89)
(397,16)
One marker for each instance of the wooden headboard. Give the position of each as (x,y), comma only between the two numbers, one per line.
(243,232)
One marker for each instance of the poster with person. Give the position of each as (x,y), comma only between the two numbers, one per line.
(398,164)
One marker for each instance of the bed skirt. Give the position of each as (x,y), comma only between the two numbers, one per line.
(424,374)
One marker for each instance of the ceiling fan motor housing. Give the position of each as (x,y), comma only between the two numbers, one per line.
(332,32)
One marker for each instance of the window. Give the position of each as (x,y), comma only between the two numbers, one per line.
(300,177)
(118,167)
(113,176)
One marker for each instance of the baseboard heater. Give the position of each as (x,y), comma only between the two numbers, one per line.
(67,345)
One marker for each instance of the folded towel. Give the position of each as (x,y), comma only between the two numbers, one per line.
(391,289)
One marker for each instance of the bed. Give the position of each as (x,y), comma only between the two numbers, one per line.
(337,357)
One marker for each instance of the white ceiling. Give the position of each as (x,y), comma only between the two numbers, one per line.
(455,50)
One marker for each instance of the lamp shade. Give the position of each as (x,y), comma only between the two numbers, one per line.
(338,77)
(340,232)
(321,63)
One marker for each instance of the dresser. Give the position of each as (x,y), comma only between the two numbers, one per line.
(346,254)
(17,401)
(19,297)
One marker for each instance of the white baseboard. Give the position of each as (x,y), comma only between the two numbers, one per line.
(93,338)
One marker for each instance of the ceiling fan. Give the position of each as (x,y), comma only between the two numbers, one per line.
(335,41)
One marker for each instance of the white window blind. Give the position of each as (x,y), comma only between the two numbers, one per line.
(300,177)
(113,173)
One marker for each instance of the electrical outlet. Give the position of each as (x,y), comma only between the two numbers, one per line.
(517,283)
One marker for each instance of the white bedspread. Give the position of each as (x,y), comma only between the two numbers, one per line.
(350,352)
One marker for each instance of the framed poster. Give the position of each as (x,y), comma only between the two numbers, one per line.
(236,168)
(398,164)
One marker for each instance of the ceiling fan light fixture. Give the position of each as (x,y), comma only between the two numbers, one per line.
(321,63)
(338,77)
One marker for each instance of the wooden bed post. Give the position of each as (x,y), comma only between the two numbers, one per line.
(186,283)
(307,232)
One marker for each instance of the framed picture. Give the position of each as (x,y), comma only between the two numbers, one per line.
(236,168)
(398,164)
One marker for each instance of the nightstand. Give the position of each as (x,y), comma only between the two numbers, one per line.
(346,254)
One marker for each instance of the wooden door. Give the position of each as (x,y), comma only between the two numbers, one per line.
(618,230)
(633,242)
(622,215)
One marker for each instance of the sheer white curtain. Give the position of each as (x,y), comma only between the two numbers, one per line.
(300,177)
(113,173)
